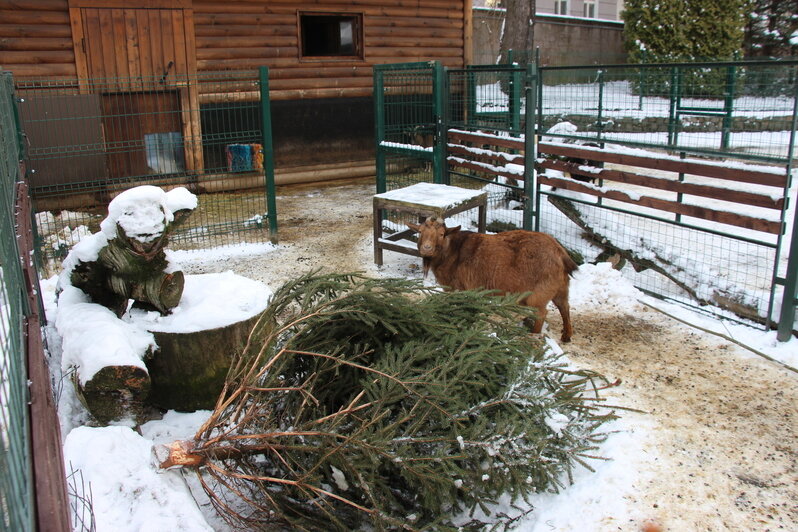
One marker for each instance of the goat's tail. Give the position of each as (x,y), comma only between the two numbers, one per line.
(568,263)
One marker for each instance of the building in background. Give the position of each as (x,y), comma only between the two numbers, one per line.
(567,32)
(320,56)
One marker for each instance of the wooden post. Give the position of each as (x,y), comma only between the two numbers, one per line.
(49,481)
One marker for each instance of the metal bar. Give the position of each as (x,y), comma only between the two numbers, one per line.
(728,106)
(600,110)
(268,152)
(701,64)
(531,197)
(673,104)
(514,110)
(789,300)
(379,126)
(439,147)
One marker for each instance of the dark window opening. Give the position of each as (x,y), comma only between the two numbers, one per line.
(331,35)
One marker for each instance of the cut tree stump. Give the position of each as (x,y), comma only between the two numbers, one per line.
(188,370)
(116,392)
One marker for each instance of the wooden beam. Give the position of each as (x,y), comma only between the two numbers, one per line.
(37,56)
(19,16)
(42,43)
(669,164)
(694,211)
(139,4)
(52,509)
(670,185)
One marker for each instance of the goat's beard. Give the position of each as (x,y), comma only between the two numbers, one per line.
(426,263)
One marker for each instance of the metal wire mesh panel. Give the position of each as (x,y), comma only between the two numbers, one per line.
(728,272)
(715,108)
(486,112)
(407,112)
(89,140)
(486,97)
(16,506)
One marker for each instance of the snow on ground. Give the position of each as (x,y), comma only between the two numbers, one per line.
(129,494)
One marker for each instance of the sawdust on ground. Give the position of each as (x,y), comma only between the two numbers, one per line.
(725,453)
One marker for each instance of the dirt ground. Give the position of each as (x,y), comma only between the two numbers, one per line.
(724,421)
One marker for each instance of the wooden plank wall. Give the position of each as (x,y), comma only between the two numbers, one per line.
(36,40)
(245,35)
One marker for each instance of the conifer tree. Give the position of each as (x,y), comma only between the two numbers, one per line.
(771,28)
(683,30)
(385,405)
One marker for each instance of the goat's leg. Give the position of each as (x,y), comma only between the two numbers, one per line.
(561,302)
(539,305)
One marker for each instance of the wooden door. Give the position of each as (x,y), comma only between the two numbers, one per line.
(142,60)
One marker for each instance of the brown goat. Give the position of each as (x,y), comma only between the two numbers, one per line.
(509,262)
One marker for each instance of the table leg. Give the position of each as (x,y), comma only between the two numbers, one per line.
(377,216)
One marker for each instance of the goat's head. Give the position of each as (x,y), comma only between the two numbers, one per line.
(432,236)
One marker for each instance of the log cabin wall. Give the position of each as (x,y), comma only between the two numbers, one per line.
(322,105)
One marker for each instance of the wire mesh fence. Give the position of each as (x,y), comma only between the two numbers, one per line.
(407,114)
(89,140)
(489,98)
(717,118)
(737,108)
(16,483)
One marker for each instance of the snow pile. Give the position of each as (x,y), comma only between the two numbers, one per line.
(93,337)
(144,212)
(602,286)
(127,491)
(209,301)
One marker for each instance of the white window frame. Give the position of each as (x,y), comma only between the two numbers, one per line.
(561,7)
(588,6)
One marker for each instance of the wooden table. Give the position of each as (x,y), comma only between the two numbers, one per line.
(422,200)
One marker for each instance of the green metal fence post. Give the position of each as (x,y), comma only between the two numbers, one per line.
(531,216)
(600,110)
(790,298)
(439,174)
(16,481)
(728,106)
(515,101)
(471,96)
(673,104)
(268,152)
(379,129)
(642,82)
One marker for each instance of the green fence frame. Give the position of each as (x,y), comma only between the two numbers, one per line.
(682,89)
(133,131)
(409,102)
(17,512)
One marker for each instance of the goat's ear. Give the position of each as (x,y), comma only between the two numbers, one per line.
(451,230)
(414,227)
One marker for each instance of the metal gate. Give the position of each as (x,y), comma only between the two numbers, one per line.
(681,171)
(90,139)
(409,118)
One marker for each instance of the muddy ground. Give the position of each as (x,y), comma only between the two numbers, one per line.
(721,422)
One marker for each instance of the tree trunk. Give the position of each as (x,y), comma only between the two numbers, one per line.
(519,31)
(188,370)
(116,392)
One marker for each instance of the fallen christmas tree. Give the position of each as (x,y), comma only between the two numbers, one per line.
(383,404)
